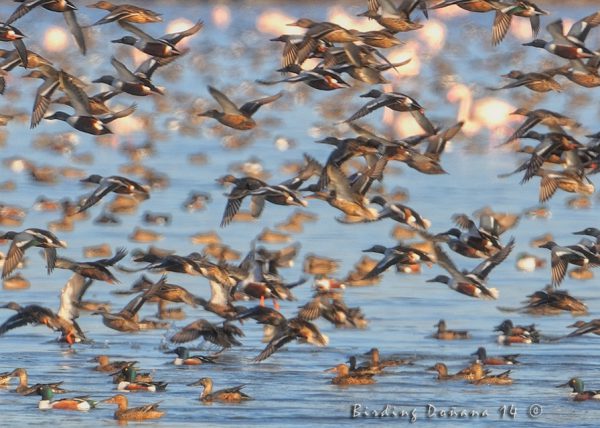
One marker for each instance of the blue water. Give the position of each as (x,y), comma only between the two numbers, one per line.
(291,388)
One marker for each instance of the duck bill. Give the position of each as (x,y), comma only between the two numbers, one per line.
(562,385)
(331,370)
(197,383)
(581,232)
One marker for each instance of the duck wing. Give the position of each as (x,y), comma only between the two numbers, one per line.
(23,9)
(251,107)
(100,192)
(118,115)
(175,38)
(75,28)
(123,72)
(15,253)
(276,343)
(226,104)
(70,296)
(500,27)
(79,99)
(42,100)
(484,268)
(137,31)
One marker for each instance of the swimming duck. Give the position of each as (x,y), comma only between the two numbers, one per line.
(114,183)
(162,47)
(397,102)
(228,395)
(482,377)
(381,363)
(66,7)
(442,372)
(185,359)
(444,334)
(125,13)
(346,377)
(24,389)
(362,370)
(517,333)
(131,384)
(234,117)
(473,283)
(578,393)
(149,411)
(501,360)
(105,365)
(82,404)
(28,238)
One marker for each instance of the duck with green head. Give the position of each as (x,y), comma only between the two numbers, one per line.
(82,404)
(578,393)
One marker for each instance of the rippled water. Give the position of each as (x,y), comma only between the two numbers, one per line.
(290,388)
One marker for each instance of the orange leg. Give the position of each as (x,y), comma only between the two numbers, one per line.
(262,300)
(276,304)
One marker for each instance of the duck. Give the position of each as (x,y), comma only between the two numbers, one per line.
(125,13)
(501,360)
(517,333)
(326,31)
(227,395)
(400,213)
(24,389)
(185,359)
(114,183)
(66,7)
(234,117)
(82,404)
(294,328)
(473,283)
(478,6)
(397,102)
(394,256)
(562,256)
(105,365)
(8,33)
(162,47)
(95,270)
(346,377)
(320,78)
(136,83)
(442,372)
(376,362)
(444,334)
(505,12)
(540,116)
(223,335)
(131,384)
(63,321)
(481,377)
(585,327)
(536,81)
(578,393)
(123,413)
(571,45)
(32,237)
(126,319)
(395,18)
(82,120)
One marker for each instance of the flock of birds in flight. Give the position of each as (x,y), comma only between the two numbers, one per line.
(558,158)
